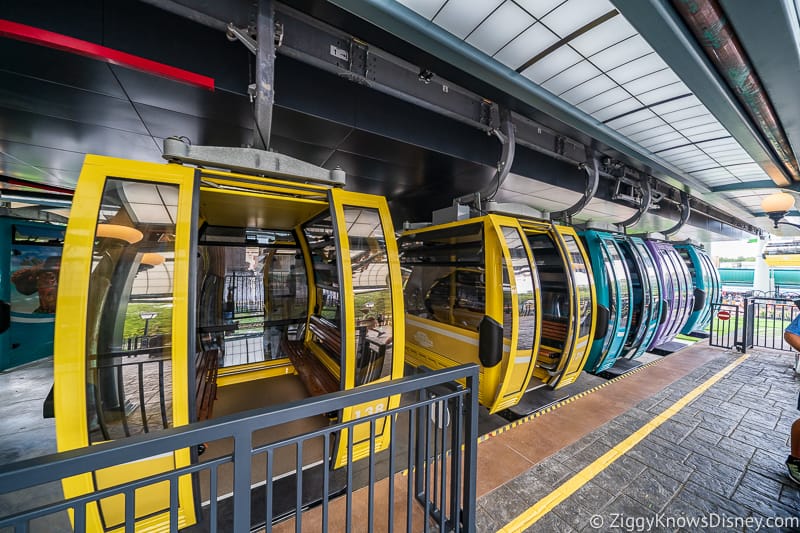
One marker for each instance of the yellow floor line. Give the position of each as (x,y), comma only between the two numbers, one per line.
(543,506)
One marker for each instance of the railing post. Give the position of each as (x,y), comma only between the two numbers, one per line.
(241,481)
(470,452)
(745,325)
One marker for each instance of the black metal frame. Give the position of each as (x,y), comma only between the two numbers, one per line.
(460,456)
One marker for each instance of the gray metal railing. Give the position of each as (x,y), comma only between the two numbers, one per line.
(770,316)
(441,426)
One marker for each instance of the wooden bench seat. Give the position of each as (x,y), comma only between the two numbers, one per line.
(314,375)
(206,368)
(554,330)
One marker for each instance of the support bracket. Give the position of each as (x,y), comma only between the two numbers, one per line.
(592,169)
(686,210)
(644,203)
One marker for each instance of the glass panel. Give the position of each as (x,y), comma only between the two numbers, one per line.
(613,321)
(582,284)
(372,294)
(322,243)
(249,297)
(129,319)
(445,272)
(554,287)
(324,258)
(523,277)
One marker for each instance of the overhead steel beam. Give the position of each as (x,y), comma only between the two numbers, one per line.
(661,26)
(404,23)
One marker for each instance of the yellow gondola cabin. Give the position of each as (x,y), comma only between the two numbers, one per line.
(189,293)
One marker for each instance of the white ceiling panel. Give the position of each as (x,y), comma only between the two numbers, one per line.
(705,128)
(553,63)
(460,17)
(679,150)
(686,102)
(699,137)
(589,89)
(651,133)
(637,68)
(575,14)
(641,125)
(625,106)
(719,142)
(632,118)
(426,8)
(606,34)
(539,8)
(605,99)
(529,43)
(700,120)
(664,142)
(506,22)
(712,173)
(682,114)
(572,77)
(672,90)
(622,53)
(652,81)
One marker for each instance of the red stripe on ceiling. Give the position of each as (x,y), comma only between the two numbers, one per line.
(58,41)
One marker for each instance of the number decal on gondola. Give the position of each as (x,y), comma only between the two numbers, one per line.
(370,410)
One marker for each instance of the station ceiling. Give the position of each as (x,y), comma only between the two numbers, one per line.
(609,74)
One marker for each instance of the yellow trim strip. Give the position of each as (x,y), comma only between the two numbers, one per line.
(543,506)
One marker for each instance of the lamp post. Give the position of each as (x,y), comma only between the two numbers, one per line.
(776,206)
(147,316)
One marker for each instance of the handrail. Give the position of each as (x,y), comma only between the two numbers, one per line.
(32,472)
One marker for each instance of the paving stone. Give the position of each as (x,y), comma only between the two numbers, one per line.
(653,489)
(662,464)
(756,438)
(704,436)
(711,422)
(728,410)
(586,456)
(674,432)
(761,504)
(539,481)
(503,504)
(624,509)
(790,495)
(735,448)
(665,449)
(768,465)
(550,522)
(574,514)
(619,474)
(484,520)
(710,502)
(770,488)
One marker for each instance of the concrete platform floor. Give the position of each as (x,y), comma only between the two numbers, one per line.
(720,458)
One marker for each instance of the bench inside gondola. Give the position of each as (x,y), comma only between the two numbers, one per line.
(315,376)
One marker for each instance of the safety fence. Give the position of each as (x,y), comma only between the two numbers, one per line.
(424,480)
(755,321)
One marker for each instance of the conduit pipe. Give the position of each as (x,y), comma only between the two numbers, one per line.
(707,22)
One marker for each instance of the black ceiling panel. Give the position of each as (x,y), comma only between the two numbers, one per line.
(82,19)
(220,105)
(44,157)
(60,101)
(312,153)
(162,123)
(31,128)
(307,128)
(152,33)
(59,67)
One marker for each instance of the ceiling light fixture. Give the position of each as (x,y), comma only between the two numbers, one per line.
(776,206)
(152,259)
(123,233)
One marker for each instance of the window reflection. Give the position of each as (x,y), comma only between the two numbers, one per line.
(372,294)
(523,278)
(129,321)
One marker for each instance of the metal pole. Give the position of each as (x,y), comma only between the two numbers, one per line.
(265,73)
